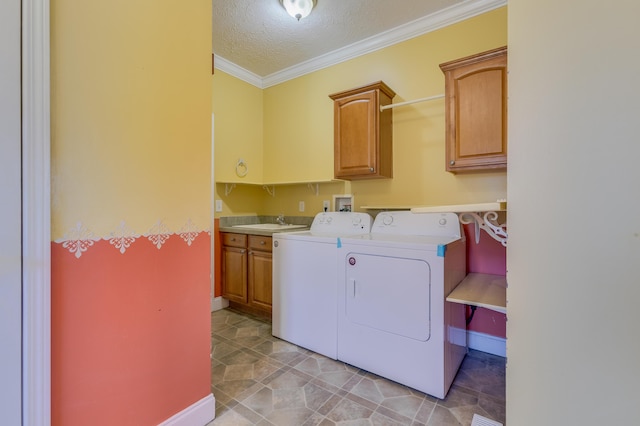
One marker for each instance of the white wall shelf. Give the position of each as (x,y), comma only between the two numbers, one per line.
(270,186)
(482,290)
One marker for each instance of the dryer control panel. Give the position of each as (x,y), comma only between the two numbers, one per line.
(408,223)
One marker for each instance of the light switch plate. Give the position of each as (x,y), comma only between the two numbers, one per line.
(301,206)
(218,205)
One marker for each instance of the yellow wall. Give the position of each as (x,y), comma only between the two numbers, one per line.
(238,110)
(298,127)
(130,105)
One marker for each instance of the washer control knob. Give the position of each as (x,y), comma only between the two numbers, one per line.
(357,220)
(329,219)
(387,220)
(275,243)
(442,221)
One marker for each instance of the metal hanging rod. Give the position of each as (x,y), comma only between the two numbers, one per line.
(430,98)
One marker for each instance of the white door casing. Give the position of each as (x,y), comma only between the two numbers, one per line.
(10,216)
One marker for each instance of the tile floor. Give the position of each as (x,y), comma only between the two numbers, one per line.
(258,379)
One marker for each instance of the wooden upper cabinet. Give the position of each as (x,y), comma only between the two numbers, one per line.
(362,134)
(476,112)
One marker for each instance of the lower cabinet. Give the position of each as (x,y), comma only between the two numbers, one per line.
(246,272)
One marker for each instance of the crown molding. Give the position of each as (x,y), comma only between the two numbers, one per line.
(230,68)
(435,21)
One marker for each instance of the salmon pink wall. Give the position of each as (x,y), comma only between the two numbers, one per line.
(488,256)
(131,330)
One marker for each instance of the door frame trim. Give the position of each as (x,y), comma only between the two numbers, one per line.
(36,214)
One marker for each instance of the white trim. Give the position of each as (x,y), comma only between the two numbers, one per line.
(36,284)
(232,69)
(218,303)
(487,343)
(212,267)
(199,413)
(435,21)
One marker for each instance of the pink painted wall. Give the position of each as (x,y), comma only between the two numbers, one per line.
(488,257)
(130,331)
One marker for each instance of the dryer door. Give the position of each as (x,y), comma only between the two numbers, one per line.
(390,294)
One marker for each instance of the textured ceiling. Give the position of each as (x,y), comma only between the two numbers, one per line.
(260,37)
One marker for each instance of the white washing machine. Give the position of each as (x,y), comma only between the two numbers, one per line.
(393,319)
(305,280)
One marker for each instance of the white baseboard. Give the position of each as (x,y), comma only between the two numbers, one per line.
(487,343)
(200,413)
(218,303)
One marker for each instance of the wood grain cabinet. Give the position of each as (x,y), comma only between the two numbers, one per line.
(246,272)
(362,133)
(260,264)
(234,267)
(476,112)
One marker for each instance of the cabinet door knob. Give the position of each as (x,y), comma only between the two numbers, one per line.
(261,243)
(452,162)
(371,169)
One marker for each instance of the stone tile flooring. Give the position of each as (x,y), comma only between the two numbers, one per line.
(258,379)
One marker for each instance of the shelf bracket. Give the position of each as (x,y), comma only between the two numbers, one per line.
(489,223)
(228,187)
(270,190)
(314,187)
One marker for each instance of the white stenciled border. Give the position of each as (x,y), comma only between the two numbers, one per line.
(80,238)
(122,238)
(158,234)
(188,232)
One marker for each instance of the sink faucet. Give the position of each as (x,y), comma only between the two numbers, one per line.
(280,219)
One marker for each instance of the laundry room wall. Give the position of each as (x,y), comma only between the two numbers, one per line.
(131,166)
(295,143)
(298,120)
(297,138)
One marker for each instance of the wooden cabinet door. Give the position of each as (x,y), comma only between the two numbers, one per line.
(476,112)
(260,270)
(362,133)
(234,273)
(260,289)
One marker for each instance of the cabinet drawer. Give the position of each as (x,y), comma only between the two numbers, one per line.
(234,240)
(257,242)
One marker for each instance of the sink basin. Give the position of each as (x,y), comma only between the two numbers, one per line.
(269,226)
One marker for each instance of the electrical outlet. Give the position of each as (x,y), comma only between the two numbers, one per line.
(218,205)
(325,206)
(301,206)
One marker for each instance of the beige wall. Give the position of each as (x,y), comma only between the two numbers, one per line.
(238,108)
(130,207)
(574,210)
(128,140)
(297,138)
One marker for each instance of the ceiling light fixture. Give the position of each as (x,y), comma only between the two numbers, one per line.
(298,8)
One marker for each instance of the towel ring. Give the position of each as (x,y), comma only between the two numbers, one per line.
(241,168)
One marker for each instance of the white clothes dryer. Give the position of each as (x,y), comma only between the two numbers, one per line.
(393,319)
(305,280)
